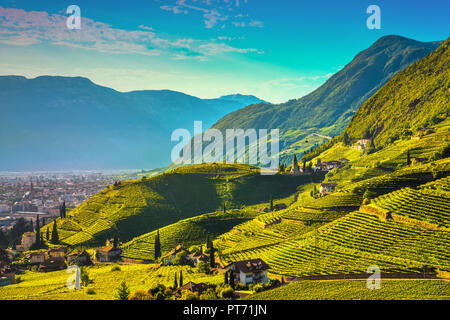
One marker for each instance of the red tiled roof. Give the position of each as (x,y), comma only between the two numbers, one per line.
(249,266)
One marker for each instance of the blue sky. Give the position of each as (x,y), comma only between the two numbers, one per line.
(276,50)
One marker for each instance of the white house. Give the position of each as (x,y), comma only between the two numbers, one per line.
(250,271)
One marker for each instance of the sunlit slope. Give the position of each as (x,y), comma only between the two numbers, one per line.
(409,289)
(133,208)
(400,231)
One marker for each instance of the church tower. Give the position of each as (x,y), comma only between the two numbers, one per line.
(295,171)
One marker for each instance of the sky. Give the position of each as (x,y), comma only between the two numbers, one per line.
(275,50)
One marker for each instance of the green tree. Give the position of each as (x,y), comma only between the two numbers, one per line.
(181,278)
(84,277)
(4,256)
(271,203)
(212,260)
(157,246)
(231,281)
(175,282)
(62,210)
(408,159)
(122,292)
(38,233)
(47,234)
(225,280)
(3,240)
(55,237)
(203,267)
(180,258)
(345,139)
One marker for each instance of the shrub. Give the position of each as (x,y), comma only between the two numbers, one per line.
(209,294)
(140,295)
(203,267)
(258,287)
(115,268)
(188,295)
(90,291)
(122,292)
(227,293)
(84,277)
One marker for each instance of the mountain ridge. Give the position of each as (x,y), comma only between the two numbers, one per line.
(96,126)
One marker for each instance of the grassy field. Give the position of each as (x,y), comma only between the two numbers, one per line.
(414,289)
(52,286)
(134,208)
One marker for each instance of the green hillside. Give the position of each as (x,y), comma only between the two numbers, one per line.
(134,208)
(400,231)
(412,104)
(357,290)
(327,110)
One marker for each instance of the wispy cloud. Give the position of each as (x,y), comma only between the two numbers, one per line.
(21,28)
(214,12)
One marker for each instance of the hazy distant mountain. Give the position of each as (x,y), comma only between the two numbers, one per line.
(55,123)
(328,109)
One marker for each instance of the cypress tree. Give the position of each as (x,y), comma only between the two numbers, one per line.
(175,283)
(3,240)
(47,235)
(181,278)
(207,242)
(157,246)
(231,281)
(55,237)
(271,203)
(211,256)
(225,280)
(38,233)
(408,159)
(224,208)
(62,210)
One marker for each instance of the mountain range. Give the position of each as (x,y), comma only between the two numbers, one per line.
(326,111)
(67,123)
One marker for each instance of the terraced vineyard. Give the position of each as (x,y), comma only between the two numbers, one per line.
(53,286)
(414,234)
(413,289)
(188,232)
(426,205)
(134,208)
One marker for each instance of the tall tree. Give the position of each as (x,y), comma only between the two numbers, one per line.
(212,261)
(224,208)
(4,255)
(3,240)
(225,280)
(345,139)
(271,203)
(157,253)
(62,210)
(38,233)
(175,282)
(55,237)
(408,159)
(181,278)
(47,235)
(231,281)
(208,242)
